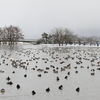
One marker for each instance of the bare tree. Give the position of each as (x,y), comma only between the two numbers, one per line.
(45,35)
(61,36)
(41,40)
(75,38)
(1,34)
(18,34)
(58,35)
(12,34)
(79,40)
(50,39)
(68,36)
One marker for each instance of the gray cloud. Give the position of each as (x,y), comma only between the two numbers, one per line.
(37,16)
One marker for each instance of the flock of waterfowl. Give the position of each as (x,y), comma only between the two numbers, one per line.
(63,64)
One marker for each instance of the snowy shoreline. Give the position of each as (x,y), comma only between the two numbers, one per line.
(77,45)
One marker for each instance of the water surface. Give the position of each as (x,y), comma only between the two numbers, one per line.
(42,56)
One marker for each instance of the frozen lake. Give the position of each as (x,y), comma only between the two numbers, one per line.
(36,67)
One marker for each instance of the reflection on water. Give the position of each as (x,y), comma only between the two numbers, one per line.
(36,67)
(11,47)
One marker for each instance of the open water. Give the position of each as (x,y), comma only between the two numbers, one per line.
(33,60)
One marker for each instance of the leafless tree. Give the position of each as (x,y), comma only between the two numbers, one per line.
(45,35)
(79,39)
(12,34)
(75,38)
(39,41)
(61,36)
(69,37)
(1,34)
(58,35)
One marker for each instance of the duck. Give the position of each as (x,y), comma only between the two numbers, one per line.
(10,83)
(45,71)
(87,67)
(8,78)
(25,75)
(18,86)
(82,67)
(55,71)
(62,69)
(1,71)
(57,79)
(68,73)
(60,87)
(93,70)
(57,68)
(92,73)
(36,66)
(66,77)
(48,89)
(47,68)
(76,71)
(13,72)
(39,75)
(33,92)
(75,67)
(33,68)
(2,90)
(77,89)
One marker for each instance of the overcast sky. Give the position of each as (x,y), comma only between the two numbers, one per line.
(37,16)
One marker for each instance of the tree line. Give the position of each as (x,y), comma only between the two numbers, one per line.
(65,36)
(10,34)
